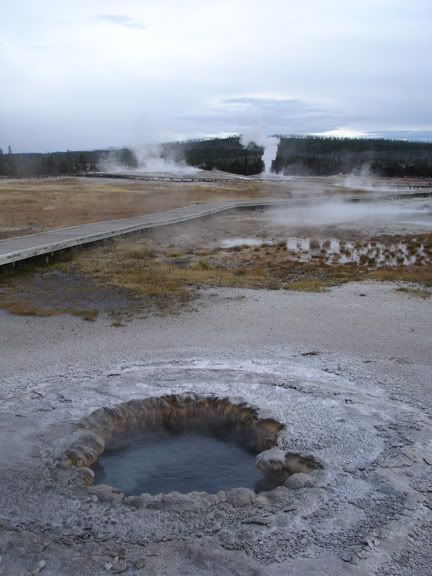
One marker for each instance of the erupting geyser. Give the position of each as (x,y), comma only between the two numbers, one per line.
(271,145)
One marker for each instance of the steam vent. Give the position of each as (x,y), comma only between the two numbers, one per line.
(182,443)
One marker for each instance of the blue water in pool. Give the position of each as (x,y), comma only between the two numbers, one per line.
(165,462)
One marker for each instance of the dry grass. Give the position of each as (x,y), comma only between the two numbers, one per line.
(415,292)
(413,274)
(27,309)
(140,268)
(163,271)
(166,281)
(171,277)
(87,315)
(32,205)
(310,285)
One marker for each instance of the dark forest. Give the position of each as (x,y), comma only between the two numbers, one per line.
(297,155)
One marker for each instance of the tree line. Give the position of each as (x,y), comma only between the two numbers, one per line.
(62,163)
(324,156)
(297,155)
(227,154)
(310,155)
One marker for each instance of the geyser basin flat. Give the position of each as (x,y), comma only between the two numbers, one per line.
(187,462)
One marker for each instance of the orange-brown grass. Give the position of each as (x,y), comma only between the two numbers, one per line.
(161,277)
(415,292)
(21,308)
(140,268)
(24,308)
(149,270)
(32,205)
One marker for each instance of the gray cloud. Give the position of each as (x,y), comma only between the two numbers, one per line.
(270,115)
(79,78)
(418,135)
(122,20)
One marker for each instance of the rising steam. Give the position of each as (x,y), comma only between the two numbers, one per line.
(270,144)
(150,158)
(153,158)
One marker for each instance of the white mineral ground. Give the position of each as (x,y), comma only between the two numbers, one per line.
(362,403)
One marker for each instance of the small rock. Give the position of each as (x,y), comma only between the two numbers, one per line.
(271,460)
(90,499)
(139,563)
(370,543)
(133,501)
(241,496)
(119,567)
(39,567)
(84,475)
(346,556)
(106,493)
(297,481)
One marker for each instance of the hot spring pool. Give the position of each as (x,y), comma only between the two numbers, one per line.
(165,462)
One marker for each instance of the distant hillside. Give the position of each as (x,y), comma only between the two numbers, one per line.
(226,154)
(309,155)
(62,163)
(326,156)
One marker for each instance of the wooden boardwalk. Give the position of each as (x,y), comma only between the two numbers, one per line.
(25,247)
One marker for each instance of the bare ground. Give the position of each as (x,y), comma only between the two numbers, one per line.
(348,373)
(347,370)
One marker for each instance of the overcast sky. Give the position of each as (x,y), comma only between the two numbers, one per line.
(96,73)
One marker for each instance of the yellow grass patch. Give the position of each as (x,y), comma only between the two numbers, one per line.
(27,309)
(31,205)
(415,292)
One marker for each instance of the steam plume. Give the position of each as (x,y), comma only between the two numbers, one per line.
(269,143)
